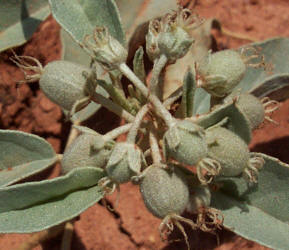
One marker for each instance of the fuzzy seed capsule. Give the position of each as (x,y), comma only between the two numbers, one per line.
(86,150)
(164,191)
(200,197)
(219,73)
(252,108)
(185,143)
(125,162)
(229,150)
(63,83)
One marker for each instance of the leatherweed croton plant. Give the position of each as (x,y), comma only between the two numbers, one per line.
(184,137)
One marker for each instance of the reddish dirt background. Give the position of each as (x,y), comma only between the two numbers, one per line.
(131,226)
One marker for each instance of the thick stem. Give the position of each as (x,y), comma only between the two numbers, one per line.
(159,64)
(160,109)
(67,235)
(117,132)
(111,106)
(131,137)
(155,150)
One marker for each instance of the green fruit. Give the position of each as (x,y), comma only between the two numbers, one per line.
(164,191)
(185,143)
(85,150)
(219,73)
(229,150)
(63,83)
(200,197)
(252,108)
(125,162)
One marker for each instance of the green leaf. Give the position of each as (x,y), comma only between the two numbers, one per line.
(79,18)
(262,83)
(19,20)
(189,89)
(259,212)
(71,51)
(237,122)
(22,155)
(35,206)
(252,223)
(28,194)
(141,11)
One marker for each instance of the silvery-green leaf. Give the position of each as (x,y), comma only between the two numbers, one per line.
(79,18)
(138,64)
(134,160)
(258,212)
(22,155)
(19,20)
(71,51)
(118,152)
(237,122)
(251,222)
(189,89)
(28,194)
(262,83)
(136,12)
(51,213)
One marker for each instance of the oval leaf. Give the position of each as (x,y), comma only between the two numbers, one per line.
(49,214)
(19,20)
(258,213)
(141,11)
(252,223)
(262,83)
(29,194)
(22,155)
(79,18)
(237,122)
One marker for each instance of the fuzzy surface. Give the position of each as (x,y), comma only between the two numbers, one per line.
(252,108)
(200,196)
(226,64)
(192,147)
(81,154)
(229,149)
(164,192)
(63,83)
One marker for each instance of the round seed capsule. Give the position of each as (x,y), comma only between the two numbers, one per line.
(229,150)
(220,72)
(200,197)
(190,143)
(63,83)
(82,152)
(125,162)
(252,108)
(164,191)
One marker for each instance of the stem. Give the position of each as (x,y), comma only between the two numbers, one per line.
(131,137)
(161,110)
(159,64)
(155,150)
(116,95)
(117,132)
(67,235)
(111,106)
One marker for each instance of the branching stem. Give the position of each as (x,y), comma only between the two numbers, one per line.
(117,132)
(160,109)
(111,106)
